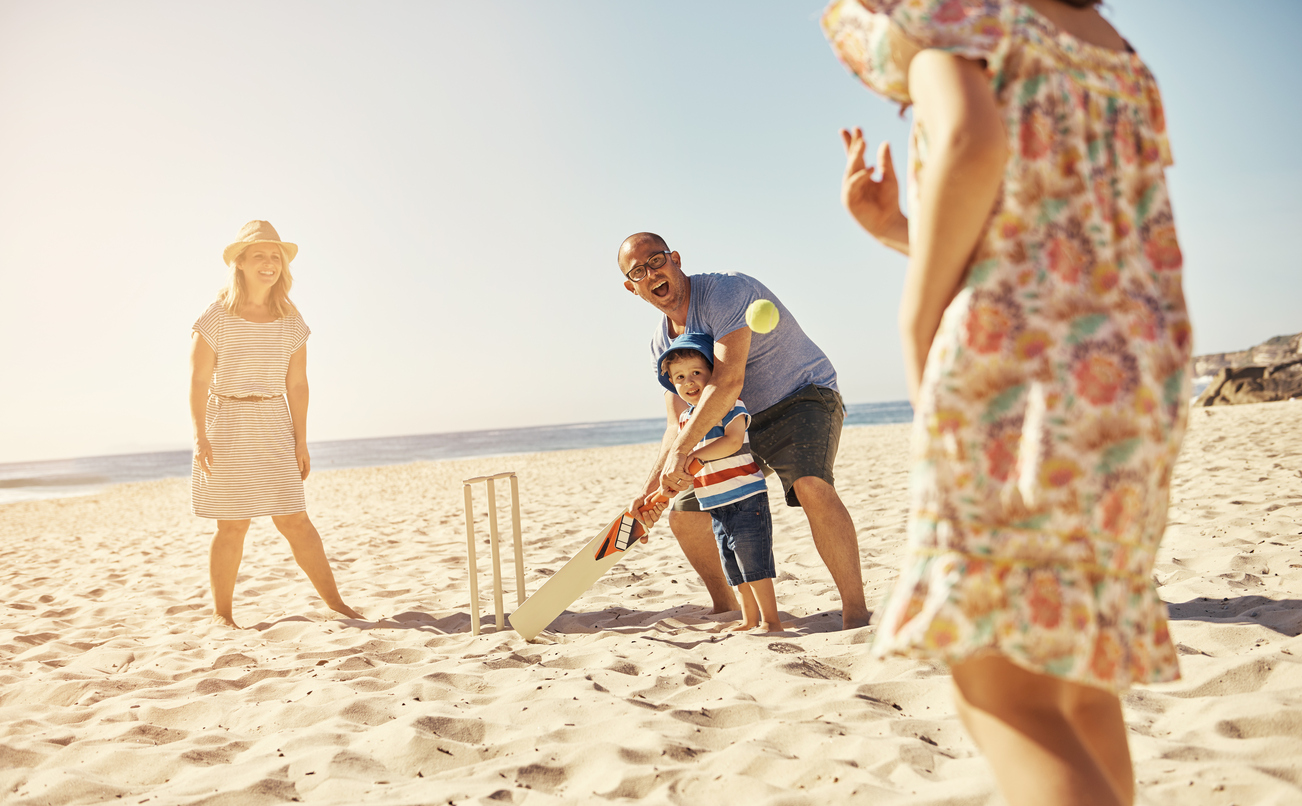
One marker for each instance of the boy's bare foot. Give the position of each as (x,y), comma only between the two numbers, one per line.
(224,621)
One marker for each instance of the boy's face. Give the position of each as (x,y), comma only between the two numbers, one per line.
(689,377)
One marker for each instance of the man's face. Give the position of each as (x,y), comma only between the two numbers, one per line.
(690,376)
(667,288)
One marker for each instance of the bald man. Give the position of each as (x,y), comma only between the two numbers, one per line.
(790,388)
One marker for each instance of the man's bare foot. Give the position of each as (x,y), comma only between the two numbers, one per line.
(347,611)
(726,606)
(224,621)
(851,620)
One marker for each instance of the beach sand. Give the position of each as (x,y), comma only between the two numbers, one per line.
(114,687)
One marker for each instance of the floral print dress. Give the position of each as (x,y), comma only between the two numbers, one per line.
(1054,397)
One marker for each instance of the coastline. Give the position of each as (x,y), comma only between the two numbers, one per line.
(60,478)
(112,684)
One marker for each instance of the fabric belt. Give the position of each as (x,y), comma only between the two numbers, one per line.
(247,399)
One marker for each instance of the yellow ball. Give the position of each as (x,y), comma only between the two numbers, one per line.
(762,316)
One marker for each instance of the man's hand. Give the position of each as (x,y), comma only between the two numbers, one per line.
(874,203)
(674,477)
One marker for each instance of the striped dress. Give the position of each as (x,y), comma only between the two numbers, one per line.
(732,478)
(254,471)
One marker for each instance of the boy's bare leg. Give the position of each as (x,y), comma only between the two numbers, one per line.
(696,538)
(750,612)
(762,591)
(309,553)
(1049,741)
(224,558)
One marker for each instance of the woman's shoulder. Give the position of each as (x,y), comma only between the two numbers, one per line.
(873,38)
(215,312)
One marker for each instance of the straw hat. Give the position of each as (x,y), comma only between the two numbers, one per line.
(257,232)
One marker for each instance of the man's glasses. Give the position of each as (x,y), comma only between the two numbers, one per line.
(639,271)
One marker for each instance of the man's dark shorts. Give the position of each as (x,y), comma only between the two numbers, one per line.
(795,437)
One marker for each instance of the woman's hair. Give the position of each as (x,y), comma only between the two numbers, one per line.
(1081,3)
(234,295)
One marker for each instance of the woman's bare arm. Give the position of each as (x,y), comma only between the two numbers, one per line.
(296,394)
(874,203)
(203,360)
(967,152)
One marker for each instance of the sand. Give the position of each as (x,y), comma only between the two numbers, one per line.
(114,688)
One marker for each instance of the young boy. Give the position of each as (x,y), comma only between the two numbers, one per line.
(730,486)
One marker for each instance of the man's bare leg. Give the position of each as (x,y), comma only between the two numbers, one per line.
(309,553)
(224,558)
(837,544)
(696,538)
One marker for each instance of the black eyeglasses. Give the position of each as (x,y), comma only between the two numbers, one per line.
(639,271)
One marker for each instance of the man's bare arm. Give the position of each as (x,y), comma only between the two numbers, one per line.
(674,406)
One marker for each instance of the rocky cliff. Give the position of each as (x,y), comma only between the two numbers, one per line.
(1270,371)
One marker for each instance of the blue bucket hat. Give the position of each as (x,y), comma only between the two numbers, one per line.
(700,342)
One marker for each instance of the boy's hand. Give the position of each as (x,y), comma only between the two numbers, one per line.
(648,516)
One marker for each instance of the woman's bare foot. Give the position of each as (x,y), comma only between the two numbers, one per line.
(224,621)
(742,626)
(347,611)
(772,626)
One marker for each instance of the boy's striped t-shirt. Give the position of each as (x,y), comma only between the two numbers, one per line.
(732,478)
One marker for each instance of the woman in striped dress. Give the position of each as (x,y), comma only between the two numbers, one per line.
(248,402)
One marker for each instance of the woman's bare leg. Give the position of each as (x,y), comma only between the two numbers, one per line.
(224,566)
(1051,742)
(1100,724)
(309,553)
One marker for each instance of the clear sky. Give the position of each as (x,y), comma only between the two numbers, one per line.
(459,175)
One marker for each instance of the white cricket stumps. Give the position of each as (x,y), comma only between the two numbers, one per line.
(493,540)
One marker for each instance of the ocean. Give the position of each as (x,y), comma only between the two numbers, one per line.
(25,481)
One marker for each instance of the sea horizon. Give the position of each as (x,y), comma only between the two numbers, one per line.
(86,475)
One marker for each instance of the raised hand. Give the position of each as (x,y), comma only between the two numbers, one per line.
(874,203)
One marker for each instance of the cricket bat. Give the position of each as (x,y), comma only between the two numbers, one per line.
(583,569)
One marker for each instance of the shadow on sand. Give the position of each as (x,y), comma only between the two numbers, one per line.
(1284,616)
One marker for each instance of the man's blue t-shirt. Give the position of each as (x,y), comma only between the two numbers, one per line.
(780,361)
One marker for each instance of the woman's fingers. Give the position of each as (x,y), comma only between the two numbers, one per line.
(854,149)
(884,164)
(204,457)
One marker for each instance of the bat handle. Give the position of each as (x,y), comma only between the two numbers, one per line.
(693,467)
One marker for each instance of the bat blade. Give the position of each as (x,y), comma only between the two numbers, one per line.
(573,579)
(583,569)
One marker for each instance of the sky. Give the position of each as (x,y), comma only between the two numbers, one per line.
(459,175)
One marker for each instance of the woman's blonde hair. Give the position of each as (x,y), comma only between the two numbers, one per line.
(234,294)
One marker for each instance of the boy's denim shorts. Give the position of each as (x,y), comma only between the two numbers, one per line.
(744,531)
